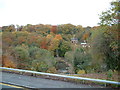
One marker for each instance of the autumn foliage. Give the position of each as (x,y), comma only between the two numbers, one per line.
(54,29)
(44,43)
(85,36)
(58,36)
(38,47)
(7,62)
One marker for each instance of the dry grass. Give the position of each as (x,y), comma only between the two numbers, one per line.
(115,76)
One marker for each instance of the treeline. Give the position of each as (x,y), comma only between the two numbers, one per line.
(49,48)
(26,46)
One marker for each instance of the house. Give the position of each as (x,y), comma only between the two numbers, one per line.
(84,44)
(74,40)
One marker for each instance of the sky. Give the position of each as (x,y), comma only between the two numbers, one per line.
(54,12)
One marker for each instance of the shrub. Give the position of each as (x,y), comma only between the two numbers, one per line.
(61,65)
(81,72)
(52,70)
(38,65)
(109,74)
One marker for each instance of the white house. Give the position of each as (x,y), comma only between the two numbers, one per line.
(84,44)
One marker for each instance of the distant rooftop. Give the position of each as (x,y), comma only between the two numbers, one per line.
(74,39)
(83,43)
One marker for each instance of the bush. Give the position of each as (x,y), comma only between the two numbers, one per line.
(52,70)
(38,65)
(109,74)
(81,72)
(61,65)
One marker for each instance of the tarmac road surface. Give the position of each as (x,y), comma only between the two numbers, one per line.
(3,85)
(34,82)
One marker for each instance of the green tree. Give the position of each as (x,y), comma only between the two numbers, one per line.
(69,56)
(42,58)
(104,47)
(111,16)
(82,59)
(64,46)
(111,35)
(22,56)
(67,29)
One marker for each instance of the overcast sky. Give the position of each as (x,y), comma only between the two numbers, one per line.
(54,12)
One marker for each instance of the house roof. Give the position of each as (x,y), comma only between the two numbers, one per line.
(83,43)
(74,39)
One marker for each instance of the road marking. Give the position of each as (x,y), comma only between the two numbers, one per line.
(10,85)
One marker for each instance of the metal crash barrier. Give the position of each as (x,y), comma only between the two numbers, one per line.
(58,75)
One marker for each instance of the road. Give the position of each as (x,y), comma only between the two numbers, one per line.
(3,85)
(34,82)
